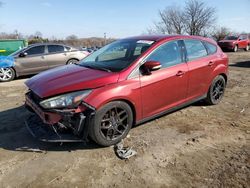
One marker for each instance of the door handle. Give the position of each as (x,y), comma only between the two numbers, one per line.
(210,63)
(180,73)
(42,57)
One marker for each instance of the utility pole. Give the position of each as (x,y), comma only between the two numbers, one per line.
(105,38)
(16,34)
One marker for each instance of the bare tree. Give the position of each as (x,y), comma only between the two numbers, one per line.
(71,37)
(220,33)
(171,21)
(38,34)
(198,17)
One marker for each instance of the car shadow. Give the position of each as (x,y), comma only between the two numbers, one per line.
(243,64)
(14,135)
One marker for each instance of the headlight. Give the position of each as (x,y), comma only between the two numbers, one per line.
(69,100)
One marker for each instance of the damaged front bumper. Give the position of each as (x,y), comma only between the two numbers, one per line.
(67,125)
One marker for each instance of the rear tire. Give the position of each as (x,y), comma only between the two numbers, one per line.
(216,90)
(112,123)
(7,74)
(72,61)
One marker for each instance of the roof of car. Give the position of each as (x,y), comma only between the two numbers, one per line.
(38,44)
(164,37)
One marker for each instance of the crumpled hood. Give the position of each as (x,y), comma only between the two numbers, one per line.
(69,78)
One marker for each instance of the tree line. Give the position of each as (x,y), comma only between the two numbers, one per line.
(71,40)
(194,18)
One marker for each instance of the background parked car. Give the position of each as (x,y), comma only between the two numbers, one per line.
(40,57)
(235,42)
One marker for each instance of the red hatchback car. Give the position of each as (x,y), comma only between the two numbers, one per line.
(127,82)
(235,42)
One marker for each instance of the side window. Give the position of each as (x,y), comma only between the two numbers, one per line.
(243,37)
(211,48)
(55,48)
(35,50)
(168,54)
(195,49)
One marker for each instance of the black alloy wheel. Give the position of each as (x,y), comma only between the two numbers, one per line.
(112,123)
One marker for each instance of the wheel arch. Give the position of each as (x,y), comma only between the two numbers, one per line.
(219,70)
(131,106)
(224,76)
(122,99)
(15,71)
(71,58)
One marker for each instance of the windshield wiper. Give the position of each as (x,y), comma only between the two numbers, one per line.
(97,68)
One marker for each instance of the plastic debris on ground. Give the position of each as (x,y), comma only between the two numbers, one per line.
(123,152)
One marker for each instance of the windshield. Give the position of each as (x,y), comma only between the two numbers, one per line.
(17,52)
(231,38)
(117,55)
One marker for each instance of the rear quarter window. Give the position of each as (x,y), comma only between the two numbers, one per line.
(195,49)
(211,48)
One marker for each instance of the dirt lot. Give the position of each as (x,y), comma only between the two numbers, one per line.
(199,146)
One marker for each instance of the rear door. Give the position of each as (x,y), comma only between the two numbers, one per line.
(56,55)
(34,61)
(200,67)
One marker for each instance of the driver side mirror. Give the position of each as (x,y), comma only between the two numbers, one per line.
(150,66)
(23,54)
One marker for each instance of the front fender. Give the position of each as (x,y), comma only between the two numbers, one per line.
(127,90)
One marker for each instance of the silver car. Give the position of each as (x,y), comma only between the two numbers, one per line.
(40,57)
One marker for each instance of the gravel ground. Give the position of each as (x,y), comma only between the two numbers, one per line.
(198,146)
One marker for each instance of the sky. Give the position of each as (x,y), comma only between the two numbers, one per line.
(93,18)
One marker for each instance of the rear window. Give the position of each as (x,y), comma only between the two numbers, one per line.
(211,48)
(195,49)
(55,48)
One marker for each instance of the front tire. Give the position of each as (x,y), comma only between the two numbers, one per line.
(7,74)
(216,90)
(112,123)
(247,47)
(235,48)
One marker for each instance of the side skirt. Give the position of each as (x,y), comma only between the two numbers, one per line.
(171,110)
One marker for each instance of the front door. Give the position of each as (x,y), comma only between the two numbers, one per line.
(167,87)
(33,61)
(243,41)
